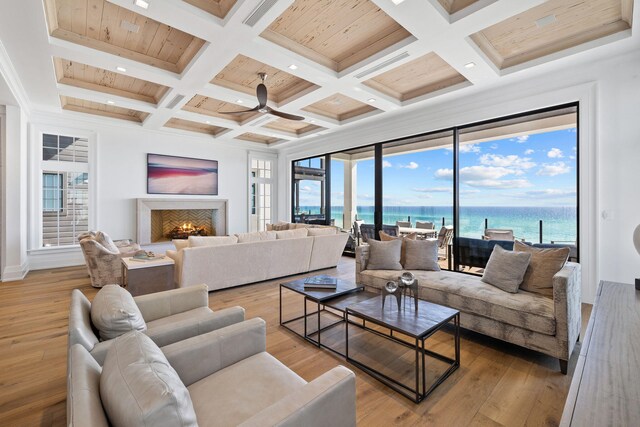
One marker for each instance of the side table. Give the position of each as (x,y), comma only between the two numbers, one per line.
(146,277)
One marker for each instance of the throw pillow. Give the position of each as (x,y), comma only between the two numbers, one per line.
(180,244)
(387,237)
(199,241)
(545,263)
(279,226)
(322,231)
(291,234)
(505,269)
(384,255)
(258,236)
(138,386)
(114,312)
(421,255)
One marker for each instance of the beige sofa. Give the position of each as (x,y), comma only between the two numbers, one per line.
(232,264)
(230,380)
(550,326)
(170,316)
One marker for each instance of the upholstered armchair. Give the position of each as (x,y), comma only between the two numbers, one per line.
(102,257)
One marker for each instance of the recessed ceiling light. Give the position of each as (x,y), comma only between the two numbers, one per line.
(371,100)
(397,2)
(546,20)
(357,89)
(469,65)
(293,67)
(312,121)
(121,69)
(110,102)
(240,101)
(208,122)
(141,3)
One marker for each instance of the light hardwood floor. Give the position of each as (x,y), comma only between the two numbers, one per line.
(497,384)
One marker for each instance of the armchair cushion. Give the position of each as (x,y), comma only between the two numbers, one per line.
(106,241)
(139,387)
(167,303)
(114,312)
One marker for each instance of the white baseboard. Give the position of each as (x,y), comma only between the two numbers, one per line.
(45,260)
(12,273)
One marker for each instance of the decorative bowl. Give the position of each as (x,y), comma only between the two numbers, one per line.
(391,287)
(407,278)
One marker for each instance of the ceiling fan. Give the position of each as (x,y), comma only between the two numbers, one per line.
(261,94)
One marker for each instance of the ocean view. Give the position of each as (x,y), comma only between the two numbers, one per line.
(559,223)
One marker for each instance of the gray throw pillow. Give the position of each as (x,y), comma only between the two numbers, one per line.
(421,255)
(138,386)
(114,312)
(384,255)
(506,269)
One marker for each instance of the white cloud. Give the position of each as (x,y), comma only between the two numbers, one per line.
(572,157)
(520,139)
(485,176)
(499,183)
(555,153)
(529,152)
(551,193)
(386,164)
(553,169)
(411,165)
(469,148)
(469,191)
(575,149)
(494,146)
(510,161)
(434,190)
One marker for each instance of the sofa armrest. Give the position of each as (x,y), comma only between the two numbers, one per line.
(362,257)
(568,306)
(198,357)
(329,400)
(162,304)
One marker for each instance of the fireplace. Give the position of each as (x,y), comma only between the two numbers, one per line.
(161,220)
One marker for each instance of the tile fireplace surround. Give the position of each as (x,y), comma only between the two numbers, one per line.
(147,208)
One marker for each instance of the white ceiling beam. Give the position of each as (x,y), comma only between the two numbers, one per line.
(103,98)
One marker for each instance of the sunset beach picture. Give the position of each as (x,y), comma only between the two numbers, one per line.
(181,175)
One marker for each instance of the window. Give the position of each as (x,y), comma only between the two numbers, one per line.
(310,202)
(261,184)
(64,189)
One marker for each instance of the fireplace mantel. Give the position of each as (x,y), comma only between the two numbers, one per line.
(145,206)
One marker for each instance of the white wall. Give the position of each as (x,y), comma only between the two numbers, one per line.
(609,96)
(121,160)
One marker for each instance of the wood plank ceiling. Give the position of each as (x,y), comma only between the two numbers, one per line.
(553,26)
(182,64)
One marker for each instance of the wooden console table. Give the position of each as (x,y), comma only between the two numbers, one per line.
(146,277)
(605,390)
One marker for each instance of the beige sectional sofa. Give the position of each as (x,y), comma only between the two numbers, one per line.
(548,325)
(223,262)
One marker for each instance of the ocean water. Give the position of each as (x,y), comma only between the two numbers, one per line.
(559,224)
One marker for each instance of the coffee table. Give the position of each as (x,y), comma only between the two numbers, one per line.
(418,326)
(337,299)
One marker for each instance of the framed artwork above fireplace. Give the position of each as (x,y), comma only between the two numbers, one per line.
(181,175)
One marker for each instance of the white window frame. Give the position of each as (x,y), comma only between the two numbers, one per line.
(37,165)
(273,158)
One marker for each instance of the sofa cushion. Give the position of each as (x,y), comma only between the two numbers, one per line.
(139,387)
(384,255)
(545,263)
(279,226)
(257,236)
(469,294)
(180,244)
(387,237)
(199,241)
(114,312)
(505,269)
(421,255)
(243,389)
(322,231)
(291,234)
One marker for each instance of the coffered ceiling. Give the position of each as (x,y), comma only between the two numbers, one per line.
(181,64)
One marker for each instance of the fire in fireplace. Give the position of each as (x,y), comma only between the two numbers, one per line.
(186,230)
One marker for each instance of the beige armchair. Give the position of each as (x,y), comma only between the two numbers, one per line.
(170,316)
(102,257)
(224,378)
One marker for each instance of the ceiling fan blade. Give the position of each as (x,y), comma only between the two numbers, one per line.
(261,93)
(284,115)
(256,108)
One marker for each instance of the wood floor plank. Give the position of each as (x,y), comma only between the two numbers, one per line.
(33,341)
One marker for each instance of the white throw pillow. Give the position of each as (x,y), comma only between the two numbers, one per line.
(258,236)
(324,231)
(180,244)
(114,312)
(138,387)
(291,234)
(199,241)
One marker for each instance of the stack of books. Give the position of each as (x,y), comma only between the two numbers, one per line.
(144,256)
(321,282)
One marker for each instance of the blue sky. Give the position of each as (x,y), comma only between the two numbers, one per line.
(527,170)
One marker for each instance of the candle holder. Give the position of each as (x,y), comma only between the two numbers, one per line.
(391,288)
(409,285)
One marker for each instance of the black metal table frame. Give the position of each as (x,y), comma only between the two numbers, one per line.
(415,394)
(321,307)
